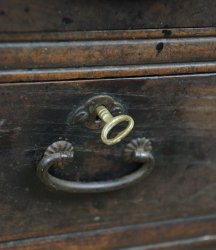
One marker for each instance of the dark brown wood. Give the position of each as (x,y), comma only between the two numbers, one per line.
(33,75)
(176,112)
(155,236)
(167,49)
(106,53)
(107,34)
(117,54)
(76,15)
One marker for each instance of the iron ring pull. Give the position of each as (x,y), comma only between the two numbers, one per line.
(144,157)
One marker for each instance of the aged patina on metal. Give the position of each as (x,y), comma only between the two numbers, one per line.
(138,150)
(111,122)
(87,115)
(97,113)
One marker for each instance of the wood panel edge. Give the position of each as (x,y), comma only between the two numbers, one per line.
(107,34)
(165,233)
(13,76)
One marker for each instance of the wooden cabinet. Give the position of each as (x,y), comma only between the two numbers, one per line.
(157,60)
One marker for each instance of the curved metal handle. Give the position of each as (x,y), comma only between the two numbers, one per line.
(53,159)
(111,122)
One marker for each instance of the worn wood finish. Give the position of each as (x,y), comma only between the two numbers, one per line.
(199,243)
(116,54)
(33,55)
(76,15)
(33,75)
(47,49)
(164,235)
(177,113)
(108,34)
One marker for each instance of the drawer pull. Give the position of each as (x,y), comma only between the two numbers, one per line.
(138,150)
(111,122)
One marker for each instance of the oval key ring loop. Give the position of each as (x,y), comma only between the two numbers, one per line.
(111,122)
(109,126)
(146,160)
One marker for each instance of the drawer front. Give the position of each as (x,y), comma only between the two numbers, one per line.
(177,113)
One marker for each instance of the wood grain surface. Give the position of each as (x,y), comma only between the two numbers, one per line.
(66,15)
(53,56)
(34,75)
(39,55)
(107,34)
(153,236)
(176,112)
